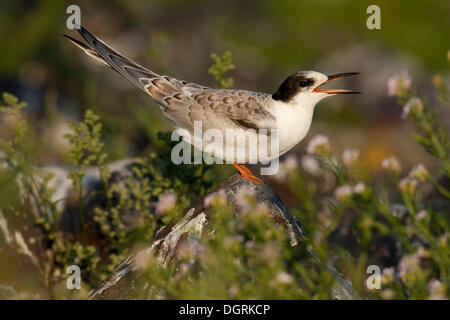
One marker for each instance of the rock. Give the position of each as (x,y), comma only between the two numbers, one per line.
(122,282)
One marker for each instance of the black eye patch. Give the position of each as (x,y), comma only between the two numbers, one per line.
(293,84)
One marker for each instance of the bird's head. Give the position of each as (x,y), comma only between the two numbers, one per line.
(305,86)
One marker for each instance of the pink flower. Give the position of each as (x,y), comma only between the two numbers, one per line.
(399,84)
(244,195)
(420,172)
(166,203)
(421,215)
(412,104)
(359,188)
(391,163)
(350,156)
(287,167)
(409,267)
(408,184)
(311,165)
(343,193)
(387,276)
(317,142)
(218,196)
(284,278)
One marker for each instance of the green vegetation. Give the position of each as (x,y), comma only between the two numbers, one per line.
(221,66)
(383,201)
(248,256)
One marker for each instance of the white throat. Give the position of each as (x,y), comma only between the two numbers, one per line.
(294,118)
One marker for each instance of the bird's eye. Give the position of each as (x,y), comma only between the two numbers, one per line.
(303,83)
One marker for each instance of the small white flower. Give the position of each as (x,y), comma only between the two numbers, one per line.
(287,167)
(318,141)
(391,163)
(408,184)
(343,193)
(311,165)
(284,278)
(350,156)
(421,215)
(359,188)
(420,172)
(409,266)
(398,84)
(413,103)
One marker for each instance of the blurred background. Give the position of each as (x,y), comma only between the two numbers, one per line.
(269,40)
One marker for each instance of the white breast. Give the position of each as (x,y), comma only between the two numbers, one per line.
(294,121)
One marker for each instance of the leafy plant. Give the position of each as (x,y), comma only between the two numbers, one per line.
(222,64)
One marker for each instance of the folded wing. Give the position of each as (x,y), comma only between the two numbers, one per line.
(184,102)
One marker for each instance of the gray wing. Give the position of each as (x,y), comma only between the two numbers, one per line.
(220,109)
(185,102)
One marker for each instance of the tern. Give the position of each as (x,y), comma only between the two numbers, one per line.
(289,110)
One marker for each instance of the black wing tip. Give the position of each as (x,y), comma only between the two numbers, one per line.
(76,42)
(85,33)
(70,38)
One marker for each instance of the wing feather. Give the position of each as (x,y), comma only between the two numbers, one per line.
(185,102)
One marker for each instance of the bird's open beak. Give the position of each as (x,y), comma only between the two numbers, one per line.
(336,77)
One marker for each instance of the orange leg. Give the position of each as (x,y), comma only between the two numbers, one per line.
(247,174)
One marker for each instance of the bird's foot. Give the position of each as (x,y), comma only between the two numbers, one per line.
(247,174)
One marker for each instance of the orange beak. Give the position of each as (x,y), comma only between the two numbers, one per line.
(333,78)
